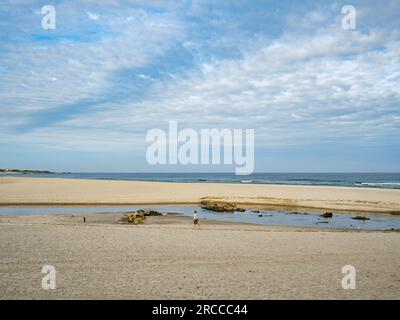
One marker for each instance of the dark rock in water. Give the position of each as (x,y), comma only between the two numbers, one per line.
(221,207)
(255,211)
(217,207)
(260,215)
(360,218)
(293,212)
(149,212)
(327,215)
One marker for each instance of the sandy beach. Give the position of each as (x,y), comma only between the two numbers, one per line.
(165,258)
(21,190)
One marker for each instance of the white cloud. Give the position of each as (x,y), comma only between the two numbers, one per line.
(303,87)
(51,75)
(92,16)
(291,88)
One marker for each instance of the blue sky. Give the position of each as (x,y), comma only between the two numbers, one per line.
(83,96)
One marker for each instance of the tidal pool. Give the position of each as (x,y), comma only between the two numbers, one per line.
(263,217)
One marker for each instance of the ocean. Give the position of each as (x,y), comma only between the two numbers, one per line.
(364,180)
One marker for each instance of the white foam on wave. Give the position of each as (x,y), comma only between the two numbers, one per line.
(381,183)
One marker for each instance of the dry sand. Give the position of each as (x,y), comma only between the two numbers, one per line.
(16,190)
(166,258)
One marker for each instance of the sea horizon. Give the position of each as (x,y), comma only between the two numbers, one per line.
(382,180)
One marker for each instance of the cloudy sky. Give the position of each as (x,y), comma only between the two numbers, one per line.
(83,96)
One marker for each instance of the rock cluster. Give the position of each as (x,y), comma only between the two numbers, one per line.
(221,206)
(139,216)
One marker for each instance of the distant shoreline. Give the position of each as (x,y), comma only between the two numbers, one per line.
(25,171)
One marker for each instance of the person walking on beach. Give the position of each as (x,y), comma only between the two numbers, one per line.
(195,220)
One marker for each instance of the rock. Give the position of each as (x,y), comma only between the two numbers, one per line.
(221,207)
(139,216)
(217,207)
(260,215)
(293,212)
(255,211)
(137,221)
(149,212)
(128,217)
(360,218)
(326,215)
(135,217)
